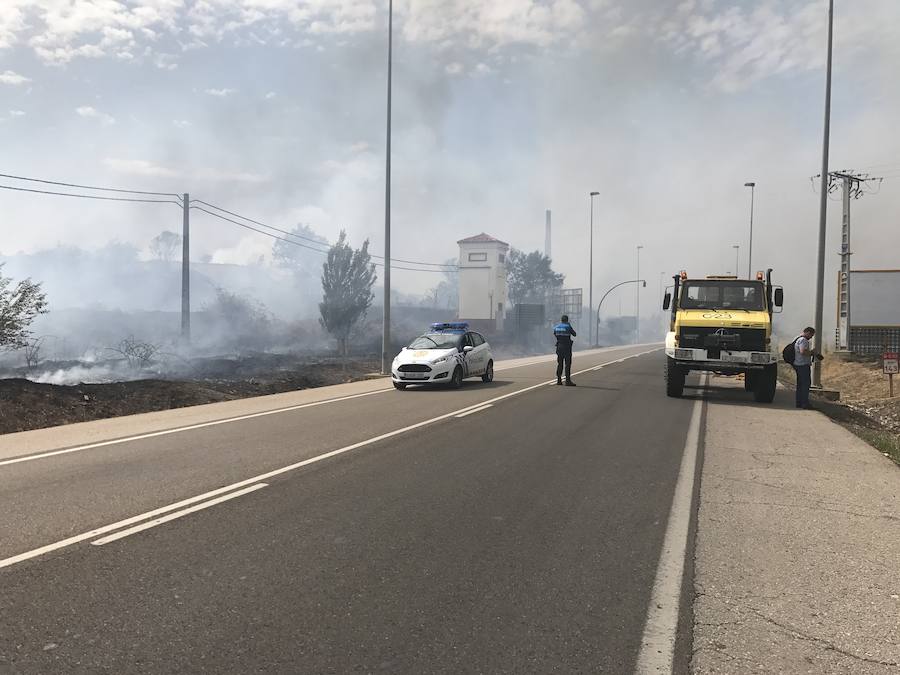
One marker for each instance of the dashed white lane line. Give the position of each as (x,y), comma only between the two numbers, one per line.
(178,514)
(228,420)
(6,562)
(658,642)
(472,412)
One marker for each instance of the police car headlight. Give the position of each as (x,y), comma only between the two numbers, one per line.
(442,359)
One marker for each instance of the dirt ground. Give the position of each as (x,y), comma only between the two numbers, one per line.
(26,405)
(865,406)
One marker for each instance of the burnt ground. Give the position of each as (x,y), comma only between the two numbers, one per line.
(26,405)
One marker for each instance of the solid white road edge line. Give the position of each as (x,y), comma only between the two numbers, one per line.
(472,412)
(178,514)
(239,418)
(6,562)
(658,642)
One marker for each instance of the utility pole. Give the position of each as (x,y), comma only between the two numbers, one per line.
(186,269)
(591,275)
(853,187)
(823,202)
(386,320)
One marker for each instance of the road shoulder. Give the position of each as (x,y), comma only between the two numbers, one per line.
(797,544)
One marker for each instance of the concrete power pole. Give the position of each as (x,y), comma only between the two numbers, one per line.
(853,188)
(186,270)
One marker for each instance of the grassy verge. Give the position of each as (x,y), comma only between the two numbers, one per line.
(886,442)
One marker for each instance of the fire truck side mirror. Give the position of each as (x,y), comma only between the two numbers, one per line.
(667,301)
(779,297)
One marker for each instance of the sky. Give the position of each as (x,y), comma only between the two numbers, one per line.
(275,109)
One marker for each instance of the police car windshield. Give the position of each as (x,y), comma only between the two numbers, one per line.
(437,341)
(722,295)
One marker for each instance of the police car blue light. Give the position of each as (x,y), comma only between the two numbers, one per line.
(448,353)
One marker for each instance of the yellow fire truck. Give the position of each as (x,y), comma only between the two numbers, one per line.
(723,324)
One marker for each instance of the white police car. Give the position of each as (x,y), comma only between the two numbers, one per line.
(447,354)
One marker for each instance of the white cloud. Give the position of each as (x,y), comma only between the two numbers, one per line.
(17,113)
(220,93)
(143,167)
(748,44)
(92,113)
(140,167)
(454,68)
(9,77)
(271,95)
(181,124)
(479,24)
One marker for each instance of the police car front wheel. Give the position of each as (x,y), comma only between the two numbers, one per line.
(400,385)
(489,373)
(456,380)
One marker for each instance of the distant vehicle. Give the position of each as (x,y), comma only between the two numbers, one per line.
(446,354)
(723,324)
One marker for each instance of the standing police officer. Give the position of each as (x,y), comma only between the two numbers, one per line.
(564,333)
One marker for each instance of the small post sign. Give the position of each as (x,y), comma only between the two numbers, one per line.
(891,364)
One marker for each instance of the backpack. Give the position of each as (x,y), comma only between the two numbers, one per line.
(789,353)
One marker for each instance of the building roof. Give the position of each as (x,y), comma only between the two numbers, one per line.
(482,239)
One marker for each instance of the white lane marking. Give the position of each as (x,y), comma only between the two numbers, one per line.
(199,425)
(472,412)
(658,641)
(270,474)
(227,420)
(178,514)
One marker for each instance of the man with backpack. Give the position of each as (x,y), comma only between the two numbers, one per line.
(563,332)
(800,354)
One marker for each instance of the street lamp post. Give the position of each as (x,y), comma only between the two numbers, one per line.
(386,320)
(643,282)
(591,275)
(823,204)
(737,258)
(752,187)
(637,300)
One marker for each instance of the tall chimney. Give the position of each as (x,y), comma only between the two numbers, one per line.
(547,251)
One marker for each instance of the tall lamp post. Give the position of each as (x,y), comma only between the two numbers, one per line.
(737,258)
(591,275)
(823,203)
(637,299)
(752,187)
(643,283)
(386,320)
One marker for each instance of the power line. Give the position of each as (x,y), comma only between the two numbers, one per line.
(90,187)
(297,243)
(106,199)
(310,239)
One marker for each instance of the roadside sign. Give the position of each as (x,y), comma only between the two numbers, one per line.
(891,366)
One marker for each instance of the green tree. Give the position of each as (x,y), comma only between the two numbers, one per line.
(530,276)
(19,306)
(347,279)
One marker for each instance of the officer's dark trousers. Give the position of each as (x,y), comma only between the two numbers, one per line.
(564,359)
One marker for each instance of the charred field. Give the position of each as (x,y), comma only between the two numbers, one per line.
(52,398)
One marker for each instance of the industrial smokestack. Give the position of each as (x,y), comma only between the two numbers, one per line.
(547,251)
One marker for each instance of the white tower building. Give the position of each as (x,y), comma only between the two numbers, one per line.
(482,279)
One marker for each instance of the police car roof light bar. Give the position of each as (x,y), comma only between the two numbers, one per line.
(450,327)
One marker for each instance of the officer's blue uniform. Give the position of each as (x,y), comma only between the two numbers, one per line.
(564,334)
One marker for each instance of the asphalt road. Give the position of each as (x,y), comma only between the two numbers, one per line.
(522,537)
